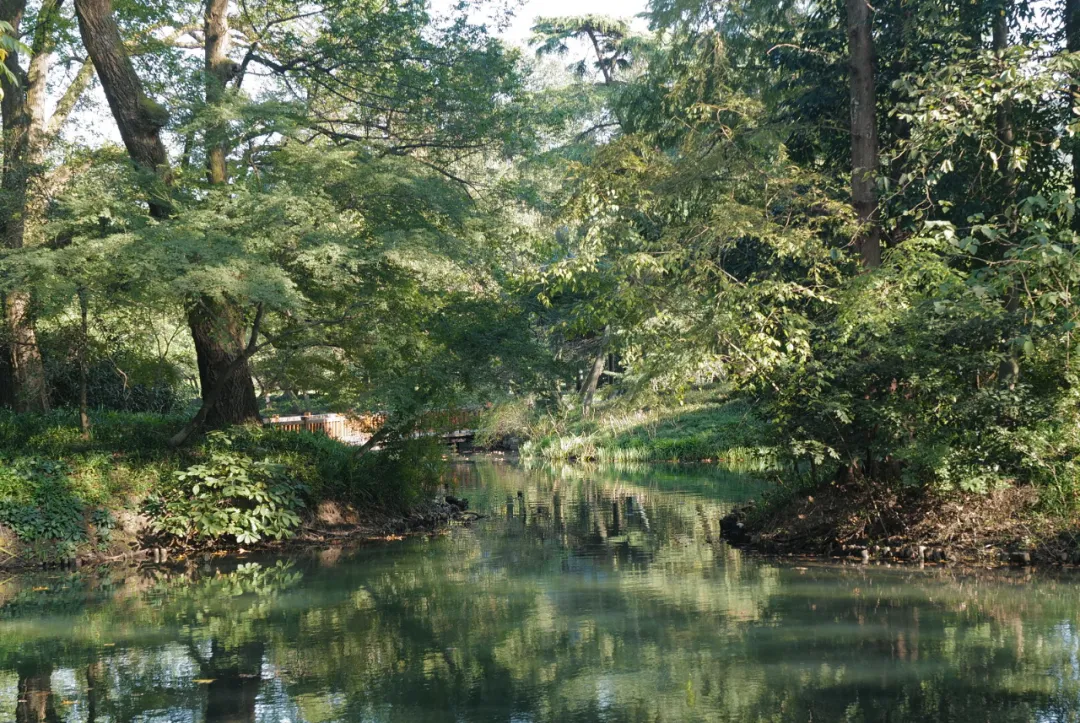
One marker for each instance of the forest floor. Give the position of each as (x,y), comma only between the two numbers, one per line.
(876,522)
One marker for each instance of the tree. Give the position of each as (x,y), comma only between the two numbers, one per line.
(610,39)
(864,135)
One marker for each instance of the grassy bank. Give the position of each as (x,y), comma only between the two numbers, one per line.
(63,497)
(704,428)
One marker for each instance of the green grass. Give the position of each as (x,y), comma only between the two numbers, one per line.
(704,428)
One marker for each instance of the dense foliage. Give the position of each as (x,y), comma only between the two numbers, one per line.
(858,220)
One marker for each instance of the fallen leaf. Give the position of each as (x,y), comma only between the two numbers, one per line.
(40,589)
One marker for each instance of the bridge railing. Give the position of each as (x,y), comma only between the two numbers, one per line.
(358,427)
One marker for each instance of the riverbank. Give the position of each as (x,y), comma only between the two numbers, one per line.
(122,492)
(707,426)
(877,522)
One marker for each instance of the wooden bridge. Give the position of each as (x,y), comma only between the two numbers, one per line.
(455,427)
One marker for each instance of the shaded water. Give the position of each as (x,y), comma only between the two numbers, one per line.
(592,596)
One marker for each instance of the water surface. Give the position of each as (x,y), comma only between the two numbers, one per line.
(592,595)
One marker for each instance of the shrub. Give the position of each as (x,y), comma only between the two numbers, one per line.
(230,495)
(37,503)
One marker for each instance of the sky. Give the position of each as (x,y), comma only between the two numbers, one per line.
(525,11)
(519,32)
(96,127)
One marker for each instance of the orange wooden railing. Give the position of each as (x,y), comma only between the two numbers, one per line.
(355,427)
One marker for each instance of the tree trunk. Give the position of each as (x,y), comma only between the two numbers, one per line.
(84,340)
(1072,44)
(215,326)
(864,139)
(1004,110)
(592,381)
(218,71)
(220,325)
(23,110)
(218,331)
(138,117)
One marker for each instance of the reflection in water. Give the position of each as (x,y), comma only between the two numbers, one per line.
(584,595)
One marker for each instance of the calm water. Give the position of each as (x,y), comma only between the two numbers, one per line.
(594,596)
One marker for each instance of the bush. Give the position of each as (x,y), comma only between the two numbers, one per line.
(391,480)
(230,495)
(911,383)
(37,503)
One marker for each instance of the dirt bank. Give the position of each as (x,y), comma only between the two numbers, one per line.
(875,522)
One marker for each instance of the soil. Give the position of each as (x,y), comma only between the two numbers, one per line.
(870,521)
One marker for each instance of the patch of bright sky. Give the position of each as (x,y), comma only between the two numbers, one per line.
(525,12)
(96,126)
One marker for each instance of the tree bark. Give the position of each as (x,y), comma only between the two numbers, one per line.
(1005,132)
(220,324)
(592,381)
(24,126)
(864,138)
(215,325)
(84,340)
(138,117)
(218,71)
(1072,44)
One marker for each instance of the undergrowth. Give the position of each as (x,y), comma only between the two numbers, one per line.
(60,492)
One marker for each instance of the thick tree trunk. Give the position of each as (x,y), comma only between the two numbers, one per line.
(23,110)
(215,327)
(218,69)
(218,327)
(864,139)
(138,117)
(218,331)
(28,371)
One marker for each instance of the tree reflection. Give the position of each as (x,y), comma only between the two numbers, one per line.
(35,703)
(592,595)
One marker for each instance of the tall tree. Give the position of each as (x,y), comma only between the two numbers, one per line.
(864,138)
(216,326)
(22,381)
(1072,45)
